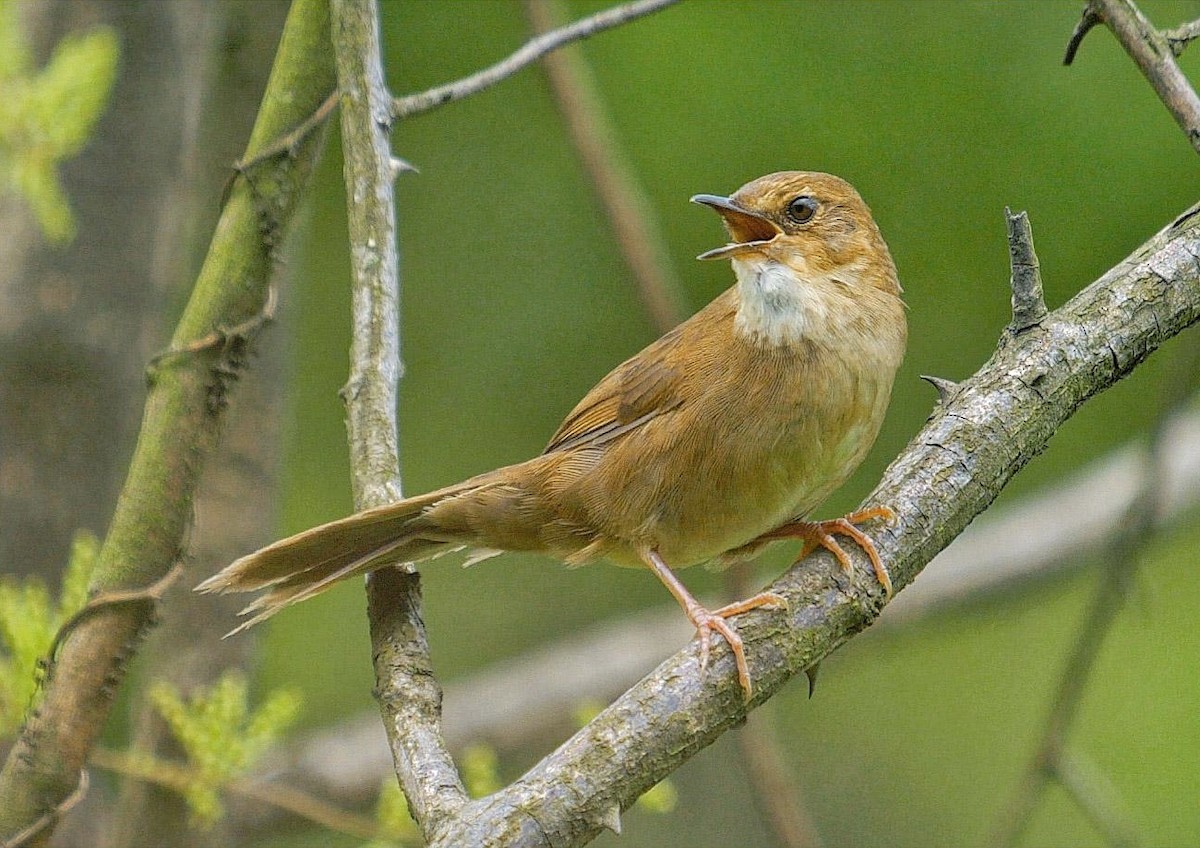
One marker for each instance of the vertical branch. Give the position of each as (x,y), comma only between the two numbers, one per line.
(409,695)
(184,412)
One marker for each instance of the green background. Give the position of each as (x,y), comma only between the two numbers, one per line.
(516,301)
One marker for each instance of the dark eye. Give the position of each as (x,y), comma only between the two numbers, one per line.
(801,210)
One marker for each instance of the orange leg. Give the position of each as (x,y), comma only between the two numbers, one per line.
(821,534)
(706,621)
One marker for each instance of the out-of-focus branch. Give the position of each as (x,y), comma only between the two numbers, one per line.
(1154,53)
(1053,758)
(534,49)
(176,778)
(635,227)
(181,426)
(409,695)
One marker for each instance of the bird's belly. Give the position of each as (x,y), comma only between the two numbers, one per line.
(738,485)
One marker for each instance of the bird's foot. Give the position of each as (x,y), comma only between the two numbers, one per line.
(820,534)
(707,621)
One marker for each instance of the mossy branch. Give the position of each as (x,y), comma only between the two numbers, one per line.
(180,429)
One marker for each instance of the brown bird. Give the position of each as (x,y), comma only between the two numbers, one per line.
(716,439)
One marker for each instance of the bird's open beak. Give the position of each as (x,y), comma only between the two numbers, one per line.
(749,230)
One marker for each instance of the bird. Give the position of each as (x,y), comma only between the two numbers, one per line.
(713,441)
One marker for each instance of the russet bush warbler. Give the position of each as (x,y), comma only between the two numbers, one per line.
(711,442)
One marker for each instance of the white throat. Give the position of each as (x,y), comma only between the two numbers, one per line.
(776,308)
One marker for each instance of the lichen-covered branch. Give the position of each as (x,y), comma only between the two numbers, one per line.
(973,444)
(409,695)
(530,52)
(180,429)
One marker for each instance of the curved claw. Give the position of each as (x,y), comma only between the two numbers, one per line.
(706,621)
(820,534)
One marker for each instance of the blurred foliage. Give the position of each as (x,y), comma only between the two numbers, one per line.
(393,817)
(29,622)
(941,112)
(221,735)
(47,115)
(480,767)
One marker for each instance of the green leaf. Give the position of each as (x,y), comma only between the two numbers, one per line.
(48,116)
(29,622)
(221,736)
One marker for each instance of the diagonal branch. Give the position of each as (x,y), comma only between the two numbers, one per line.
(180,429)
(1053,757)
(971,447)
(409,695)
(1154,54)
(534,49)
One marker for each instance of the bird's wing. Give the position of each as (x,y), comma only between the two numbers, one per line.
(640,389)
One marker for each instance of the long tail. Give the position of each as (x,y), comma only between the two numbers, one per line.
(304,565)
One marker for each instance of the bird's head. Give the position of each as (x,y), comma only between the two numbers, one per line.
(814,224)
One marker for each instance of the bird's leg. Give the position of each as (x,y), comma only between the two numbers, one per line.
(706,621)
(820,534)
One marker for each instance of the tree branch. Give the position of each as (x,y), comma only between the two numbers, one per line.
(972,446)
(1154,54)
(180,429)
(1053,758)
(534,49)
(525,700)
(409,695)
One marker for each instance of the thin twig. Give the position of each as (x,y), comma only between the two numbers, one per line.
(1183,35)
(636,229)
(1087,22)
(42,826)
(409,696)
(414,104)
(1153,54)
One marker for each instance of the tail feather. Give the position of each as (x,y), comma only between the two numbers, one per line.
(308,563)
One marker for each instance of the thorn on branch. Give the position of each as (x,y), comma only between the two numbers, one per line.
(401,166)
(812,671)
(1089,19)
(611,819)
(1028,305)
(946,390)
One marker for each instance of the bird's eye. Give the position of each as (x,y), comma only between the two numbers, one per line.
(801,210)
